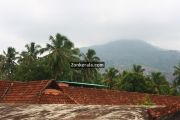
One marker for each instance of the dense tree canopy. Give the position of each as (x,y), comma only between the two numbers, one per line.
(110,75)
(160,84)
(61,52)
(9,63)
(134,82)
(53,62)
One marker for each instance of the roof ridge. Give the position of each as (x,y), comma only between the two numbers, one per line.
(7,89)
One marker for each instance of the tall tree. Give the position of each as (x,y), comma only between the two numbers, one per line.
(35,70)
(32,67)
(2,62)
(61,52)
(138,68)
(30,55)
(160,83)
(134,82)
(9,63)
(177,73)
(176,83)
(174,88)
(89,74)
(110,75)
(90,56)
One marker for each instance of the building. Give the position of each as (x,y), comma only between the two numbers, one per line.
(50,92)
(34,92)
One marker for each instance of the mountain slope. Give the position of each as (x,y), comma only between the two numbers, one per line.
(122,54)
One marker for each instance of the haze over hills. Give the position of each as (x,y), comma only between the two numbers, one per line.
(123,53)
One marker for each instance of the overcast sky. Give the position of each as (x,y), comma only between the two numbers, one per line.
(90,22)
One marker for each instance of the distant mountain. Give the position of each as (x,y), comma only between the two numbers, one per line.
(123,53)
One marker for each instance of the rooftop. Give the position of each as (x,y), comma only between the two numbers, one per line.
(49,92)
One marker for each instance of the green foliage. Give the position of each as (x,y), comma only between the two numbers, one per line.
(177,74)
(2,62)
(123,53)
(110,75)
(147,101)
(31,53)
(175,89)
(61,52)
(52,61)
(89,74)
(138,69)
(37,70)
(134,82)
(8,63)
(160,84)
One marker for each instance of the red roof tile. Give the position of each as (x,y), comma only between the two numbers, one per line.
(156,113)
(48,92)
(28,92)
(114,97)
(55,99)
(31,92)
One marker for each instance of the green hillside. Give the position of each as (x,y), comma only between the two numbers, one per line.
(123,53)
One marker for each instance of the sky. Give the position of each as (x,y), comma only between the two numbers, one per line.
(90,22)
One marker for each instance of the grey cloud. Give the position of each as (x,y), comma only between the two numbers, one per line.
(90,22)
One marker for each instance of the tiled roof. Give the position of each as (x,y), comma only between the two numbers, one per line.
(170,110)
(114,97)
(18,92)
(3,88)
(55,99)
(99,96)
(48,92)
(42,92)
(164,99)
(30,92)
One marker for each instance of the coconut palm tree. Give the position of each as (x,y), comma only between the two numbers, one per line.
(177,73)
(2,62)
(61,52)
(89,74)
(133,82)
(32,50)
(9,62)
(159,81)
(174,88)
(138,68)
(110,75)
(176,82)
(90,56)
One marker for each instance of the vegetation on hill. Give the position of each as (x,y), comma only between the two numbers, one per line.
(123,53)
(53,62)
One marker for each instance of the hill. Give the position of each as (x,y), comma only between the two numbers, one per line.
(123,53)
